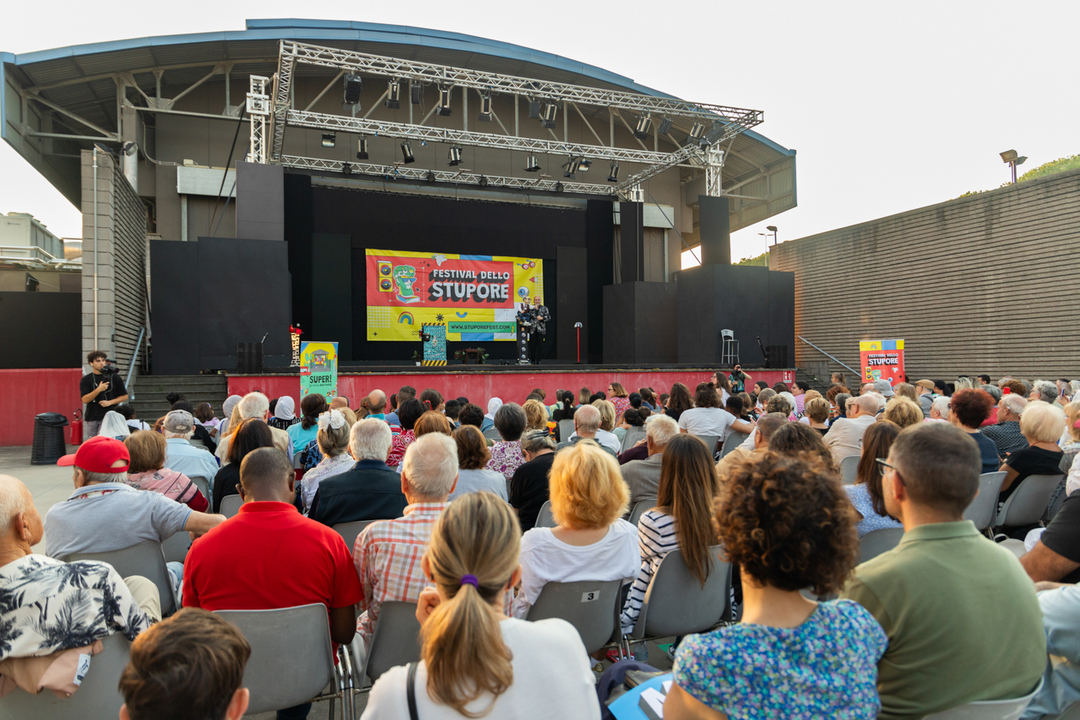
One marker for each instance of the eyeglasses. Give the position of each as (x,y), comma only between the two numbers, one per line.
(882,465)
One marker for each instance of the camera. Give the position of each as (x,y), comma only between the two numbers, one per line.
(110,367)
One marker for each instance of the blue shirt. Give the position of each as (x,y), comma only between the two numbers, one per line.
(301,437)
(1061,682)
(859,495)
(183,457)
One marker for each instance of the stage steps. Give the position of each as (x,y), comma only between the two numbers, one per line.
(150,392)
(821,384)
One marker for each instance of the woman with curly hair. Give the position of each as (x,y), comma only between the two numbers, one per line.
(787,524)
(678,402)
(967,411)
(904,412)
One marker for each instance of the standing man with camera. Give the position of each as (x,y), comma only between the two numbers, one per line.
(101,389)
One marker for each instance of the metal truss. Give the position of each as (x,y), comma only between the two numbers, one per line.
(427,133)
(398,172)
(714,166)
(258,108)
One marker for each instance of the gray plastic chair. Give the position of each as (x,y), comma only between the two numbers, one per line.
(396,640)
(196,442)
(349,531)
(874,543)
(145,559)
(591,606)
(1056,501)
(1028,502)
(566,429)
(175,549)
(849,467)
(292,659)
(982,509)
(733,441)
(493,434)
(97,696)
(204,487)
(631,438)
(230,505)
(676,603)
(640,508)
(710,441)
(988,709)
(544,518)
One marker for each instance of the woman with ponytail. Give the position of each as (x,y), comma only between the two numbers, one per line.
(477,662)
(432,400)
(311,407)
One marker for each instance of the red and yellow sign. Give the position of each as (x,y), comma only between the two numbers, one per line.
(882,360)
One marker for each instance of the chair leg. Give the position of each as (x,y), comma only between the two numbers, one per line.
(345,684)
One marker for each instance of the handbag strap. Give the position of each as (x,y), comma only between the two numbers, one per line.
(410,691)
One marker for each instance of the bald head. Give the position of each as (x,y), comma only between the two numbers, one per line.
(866,404)
(586,421)
(340,402)
(22,525)
(376,401)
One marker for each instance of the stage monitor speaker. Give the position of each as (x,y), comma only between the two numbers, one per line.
(249,358)
(778,357)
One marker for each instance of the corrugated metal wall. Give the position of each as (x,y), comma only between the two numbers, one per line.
(982,284)
(129,221)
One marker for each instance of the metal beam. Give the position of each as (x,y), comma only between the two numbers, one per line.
(218,69)
(73,116)
(324,90)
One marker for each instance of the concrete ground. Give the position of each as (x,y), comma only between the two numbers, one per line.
(50,484)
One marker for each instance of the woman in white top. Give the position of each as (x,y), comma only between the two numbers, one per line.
(708,417)
(591,541)
(477,661)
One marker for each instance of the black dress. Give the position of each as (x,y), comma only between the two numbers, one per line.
(529,489)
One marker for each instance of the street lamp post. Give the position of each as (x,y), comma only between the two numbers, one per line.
(1010,158)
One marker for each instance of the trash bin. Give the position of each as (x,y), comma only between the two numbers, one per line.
(48,438)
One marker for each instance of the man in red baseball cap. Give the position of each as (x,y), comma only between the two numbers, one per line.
(99,454)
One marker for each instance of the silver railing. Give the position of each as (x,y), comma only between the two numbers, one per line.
(831,357)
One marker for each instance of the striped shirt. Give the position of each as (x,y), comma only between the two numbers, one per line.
(656,537)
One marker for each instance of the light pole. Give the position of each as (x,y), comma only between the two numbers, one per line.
(772,231)
(1010,158)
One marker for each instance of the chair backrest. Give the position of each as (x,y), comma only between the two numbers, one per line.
(591,606)
(677,604)
(631,437)
(145,559)
(733,441)
(544,518)
(297,461)
(1056,501)
(492,434)
(291,656)
(230,505)
(349,531)
(1028,502)
(727,334)
(874,543)
(982,509)
(175,549)
(989,709)
(97,696)
(566,429)
(396,640)
(204,487)
(197,442)
(849,467)
(710,441)
(640,508)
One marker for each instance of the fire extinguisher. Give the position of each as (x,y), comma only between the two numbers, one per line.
(76,428)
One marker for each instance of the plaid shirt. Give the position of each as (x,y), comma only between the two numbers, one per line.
(1006,437)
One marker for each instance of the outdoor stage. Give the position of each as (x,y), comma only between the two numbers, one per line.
(479,383)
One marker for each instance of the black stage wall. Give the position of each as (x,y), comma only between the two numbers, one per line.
(41,329)
(571,241)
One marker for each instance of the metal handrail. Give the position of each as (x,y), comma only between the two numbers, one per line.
(134,362)
(831,357)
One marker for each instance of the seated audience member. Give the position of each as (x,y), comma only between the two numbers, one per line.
(1006,434)
(387,554)
(473,415)
(939,410)
(680,520)
(767,425)
(1042,425)
(906,390)
(798,390)
(642,477)
(942,388)
(189,666)
(840,405)
(227,409)
(678,402)
(722,385)
(376,405)
(586,427)
(248,435)
(786,524)
(865,494)
(794,438)
(311,407)
(1070,439)
(529,486)
(536,415)
(48,606)
(903,411)
(432,421)
(736,409)
(583,396)
(618,397)
(591,540)
(270,556)
(133,423)
(945,595)
(967,410)
(1060,605)
(845,436)
(200,432)
(473,455)
(432,400)
(311,455)
(369,489)
(632,419)
(147,471)
(489,420)
(114,425)
(407,392)
(565,411)
(105,513)
(204,415)
(340,402)
(333,442)
(817,414)
(1055,556)
(453,407)
(782,403)
(708,417)
(763,399)
(476,661)
(506,454)
(648,399)
(253,405)
(1046,391)
(283,413)
(180,455)
(924,395)
(408,413)
(605,435)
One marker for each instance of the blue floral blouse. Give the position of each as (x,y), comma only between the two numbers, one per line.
(824,668)
(859,495)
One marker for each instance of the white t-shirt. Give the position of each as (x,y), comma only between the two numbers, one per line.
(552,679)
(545,558)
(707,421)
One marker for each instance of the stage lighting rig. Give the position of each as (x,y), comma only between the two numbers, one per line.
(406,152)
(353,85)
(665,126)
(483,181)
(361,149)
(443,108)
(532,165)
(346,168)
(534,109)
(697,133)
(430,176)
(613,173)
(641,130)
(584,164)
(329,140)
(393,94)
(558,187)
(571,166)
(416,93)
(550,110)
(485,107)
(454,155)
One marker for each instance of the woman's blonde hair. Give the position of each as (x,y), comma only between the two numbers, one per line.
(1042,422)
(536,416)
(1072,414)
(903,412)
(147,450)
(586,489)
(335,441)
(817,409)
(234,420)
(607,414)
(432,422)
(478,535)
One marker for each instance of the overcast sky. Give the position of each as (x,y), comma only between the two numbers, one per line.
(891,106)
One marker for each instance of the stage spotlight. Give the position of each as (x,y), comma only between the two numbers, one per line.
(697,132)
(353,84)
(329,140)
(444,102)
(430,177)
(665,126)
(534,109)
(393,94)
(485,107)
(531,165)
(346,168)
(483,181)
(549,113)
(584,164)
(613,173)
(571,166)
(558,187)
(454,155)
(406,152)
(361,149)
(416,93)
(641,131)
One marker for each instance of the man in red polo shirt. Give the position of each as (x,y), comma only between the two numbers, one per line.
(270,556)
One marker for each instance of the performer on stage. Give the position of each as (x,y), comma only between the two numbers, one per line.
(541,317)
